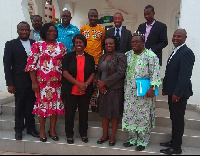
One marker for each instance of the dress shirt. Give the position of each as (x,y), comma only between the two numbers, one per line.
(120,31)
(175,49)
(36,35)
(65,35)
(148,29)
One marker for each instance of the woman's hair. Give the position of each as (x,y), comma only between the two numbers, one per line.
(115,40)
(44,29)
(80,37)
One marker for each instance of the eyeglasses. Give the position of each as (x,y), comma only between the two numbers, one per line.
(53,31)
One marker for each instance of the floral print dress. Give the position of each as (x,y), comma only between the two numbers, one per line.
(139,112)
(46,58)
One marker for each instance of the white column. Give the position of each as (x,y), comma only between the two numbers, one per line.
(189,20)
(11,14)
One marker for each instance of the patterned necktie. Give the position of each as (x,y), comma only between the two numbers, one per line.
(117,35)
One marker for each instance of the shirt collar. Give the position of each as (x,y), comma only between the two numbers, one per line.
(177,48)
(151,23)
(61,26)
(120,29)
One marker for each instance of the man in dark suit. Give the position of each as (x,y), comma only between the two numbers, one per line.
(19,82)
(124,36)
(155,33)
(177,85)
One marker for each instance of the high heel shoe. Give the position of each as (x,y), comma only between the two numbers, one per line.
(55,138)
(43,139)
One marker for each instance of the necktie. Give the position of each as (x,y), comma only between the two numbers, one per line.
(117,35)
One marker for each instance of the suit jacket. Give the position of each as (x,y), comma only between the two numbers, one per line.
(70,64)
(157,39)
(15,60)
(125,40)
(178,73)
(116,68)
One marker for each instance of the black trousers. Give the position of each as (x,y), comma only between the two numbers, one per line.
(177,112)
(71,103)
(24,102)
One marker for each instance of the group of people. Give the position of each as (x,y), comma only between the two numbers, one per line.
(62,68)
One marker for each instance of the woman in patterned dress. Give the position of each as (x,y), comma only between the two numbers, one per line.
(139,112)
(44,65)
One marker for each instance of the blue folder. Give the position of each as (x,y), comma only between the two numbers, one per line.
(143,85)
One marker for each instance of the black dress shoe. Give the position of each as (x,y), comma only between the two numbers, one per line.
(34,133)
(85,140)
(102,141)
(43,139)
(127,144)
(18,136)
(69,141)
(93,108)
(111,143)
(140,148)
(171,151)
(55,138)
(166,144)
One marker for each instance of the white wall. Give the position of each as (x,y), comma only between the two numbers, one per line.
(190,21)
(11,14)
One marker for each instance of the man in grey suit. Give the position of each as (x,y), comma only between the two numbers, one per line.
(123,35)
(177,85)
(37,24)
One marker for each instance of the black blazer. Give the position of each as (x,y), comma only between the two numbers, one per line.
(125,44)
(178,73)
(15,60)
(70,64)
(157,39)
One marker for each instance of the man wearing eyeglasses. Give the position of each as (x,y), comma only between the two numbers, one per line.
(37,24)
(66,31)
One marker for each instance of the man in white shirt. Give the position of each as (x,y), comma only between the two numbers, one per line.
(19,82)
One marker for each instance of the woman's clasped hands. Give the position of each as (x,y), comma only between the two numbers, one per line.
(101,86)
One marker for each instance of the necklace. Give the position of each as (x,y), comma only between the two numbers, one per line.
(80,55)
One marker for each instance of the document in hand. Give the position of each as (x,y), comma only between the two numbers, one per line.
(143,85)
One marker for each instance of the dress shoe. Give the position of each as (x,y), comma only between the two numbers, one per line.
(140,148)
(18,136)
(34,133)
(93,108)
(70,141)
(171,151)
(166,144)
(100,141)
(85,140)
(127,144)
(112,143)
(43,139)
(55,138)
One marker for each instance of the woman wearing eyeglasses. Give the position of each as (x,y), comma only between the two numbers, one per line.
(45,66)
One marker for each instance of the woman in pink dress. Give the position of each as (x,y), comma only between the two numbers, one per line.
(44,65)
